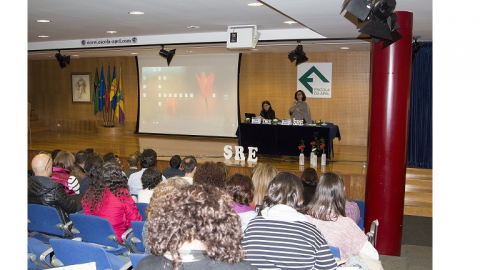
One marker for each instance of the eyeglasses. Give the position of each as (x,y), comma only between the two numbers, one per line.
(49,158)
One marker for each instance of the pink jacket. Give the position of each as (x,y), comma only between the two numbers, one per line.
(119,213)
(61,176)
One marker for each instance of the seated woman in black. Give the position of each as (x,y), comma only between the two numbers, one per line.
(267,111)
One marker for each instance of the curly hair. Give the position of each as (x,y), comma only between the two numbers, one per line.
(329,199)
(223,166)
(196,212)
(110,178)
(240,187)
(262,175)
(285,188)
(151,177)
(93,165)
(164,188)
(209,173)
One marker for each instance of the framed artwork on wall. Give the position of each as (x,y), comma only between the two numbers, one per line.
(81,82)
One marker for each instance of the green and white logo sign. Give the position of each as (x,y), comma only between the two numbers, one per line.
(315,79)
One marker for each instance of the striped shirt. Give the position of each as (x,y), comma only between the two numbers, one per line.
(73,184)
(278,244)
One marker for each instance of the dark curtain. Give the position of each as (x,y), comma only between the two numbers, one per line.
(420,127)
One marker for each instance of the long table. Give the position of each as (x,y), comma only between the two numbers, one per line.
(283,139)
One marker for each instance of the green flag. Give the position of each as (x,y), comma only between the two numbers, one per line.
(95,93)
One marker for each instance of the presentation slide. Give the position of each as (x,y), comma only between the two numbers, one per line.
(195,95)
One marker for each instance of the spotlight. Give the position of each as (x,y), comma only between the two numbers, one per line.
(168,55)
(298,54)
(380,18)
(63,60)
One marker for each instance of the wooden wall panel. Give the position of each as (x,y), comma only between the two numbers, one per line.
(49,91)
(263,76)
(272,77)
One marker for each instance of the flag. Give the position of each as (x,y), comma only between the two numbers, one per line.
(113,91)
(95,93)
(107,92)
(120,110)
(101,92)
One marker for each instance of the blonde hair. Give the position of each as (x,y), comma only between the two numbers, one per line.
(263,174)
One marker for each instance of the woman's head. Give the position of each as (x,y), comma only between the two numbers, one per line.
(240,187)
(300,95)
(93,165)
(285,188)
(310,176)
(64,159)
(223,167)
(164,188)
(151,177)
(266,105)
(195,212)
(329,199)
(262,175)
(209,173)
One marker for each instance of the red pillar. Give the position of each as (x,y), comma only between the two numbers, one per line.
(388,136)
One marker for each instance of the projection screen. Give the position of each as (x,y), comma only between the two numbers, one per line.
(195,95)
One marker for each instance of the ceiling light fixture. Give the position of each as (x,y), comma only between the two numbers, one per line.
(136,12)
(63,60)
(167,55)
(254,4)
(43,36)
(193,27)
(43,21)
(344,48)
(380,18)
(298,54)
(111,32)
(289,22)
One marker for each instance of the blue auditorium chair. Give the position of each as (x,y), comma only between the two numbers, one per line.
(98,230)
(137,239)
(39,254)
(135,258)
(44,223)
(142,209)
(361,205)
(71,252)
(335,251)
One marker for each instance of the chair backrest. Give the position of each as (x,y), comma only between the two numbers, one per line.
(93,229)
(71,252)
(44,219)
(36,248)
(137,227)
(361,221)
(141,208)
(372,234)
(335,251)
(135,258)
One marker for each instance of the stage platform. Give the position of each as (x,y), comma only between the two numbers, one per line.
(348,160)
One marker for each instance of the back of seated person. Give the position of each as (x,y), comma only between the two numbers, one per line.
(93,167)
(174,169)
(63,165)
(151,177)
(132,161)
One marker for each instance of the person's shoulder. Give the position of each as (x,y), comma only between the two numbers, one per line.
(151,262)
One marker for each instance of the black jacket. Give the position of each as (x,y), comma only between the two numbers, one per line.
(43,190)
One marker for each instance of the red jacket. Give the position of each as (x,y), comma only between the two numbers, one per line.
(119,213)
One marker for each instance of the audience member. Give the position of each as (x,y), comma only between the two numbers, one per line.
(150,179)
(54,153)
(194,227)
(93,168)
(132,161)
(352,210)
(108,197)
(309,180)
(43,190)
(174,169)
(209,174)
(79,170)
(282,227)
(189,165)
(327,212)
(240,187)
(223,166)
(148,159)
(262,175)
(63,164)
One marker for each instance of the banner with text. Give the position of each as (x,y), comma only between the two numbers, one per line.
(315,79)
